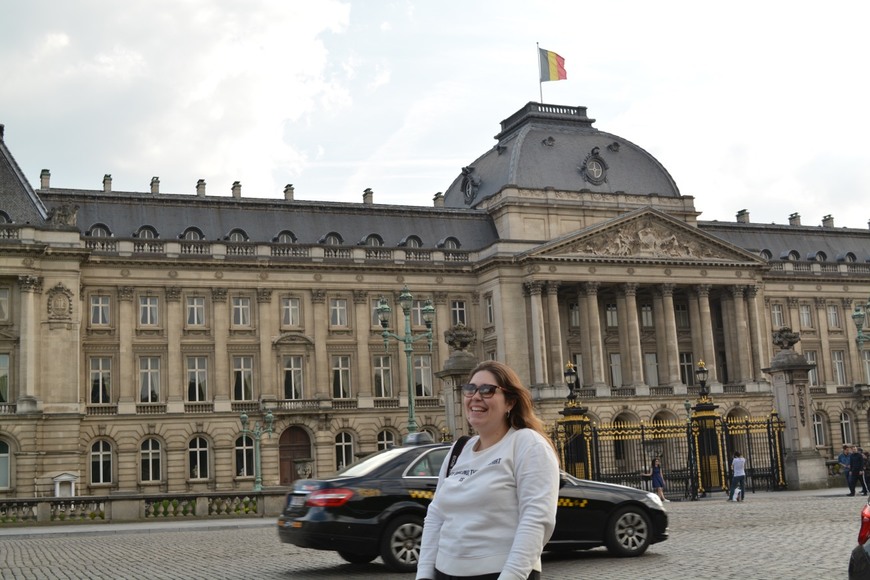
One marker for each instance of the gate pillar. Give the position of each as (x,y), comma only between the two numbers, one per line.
(706,440)
(574,433)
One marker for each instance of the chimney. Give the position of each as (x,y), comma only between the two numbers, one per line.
(107,183)
(288,192)
(368,196)
(438,200)
(794,219)
(45,179)
(155,185)
(237,189)
(200,188)
(742,217)
(828,221)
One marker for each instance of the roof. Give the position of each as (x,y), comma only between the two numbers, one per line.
(17,199)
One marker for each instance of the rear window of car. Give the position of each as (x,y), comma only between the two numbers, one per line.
(371,462)
(429,464)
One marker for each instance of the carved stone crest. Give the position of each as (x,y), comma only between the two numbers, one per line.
(60,303)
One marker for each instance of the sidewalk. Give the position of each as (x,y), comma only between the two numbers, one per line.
(149,527)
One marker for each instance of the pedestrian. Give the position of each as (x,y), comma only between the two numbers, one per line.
(856,471)
(738,479)
(658,480)
(495,504)
(843,460)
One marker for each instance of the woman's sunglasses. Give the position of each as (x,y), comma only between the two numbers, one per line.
(485,391)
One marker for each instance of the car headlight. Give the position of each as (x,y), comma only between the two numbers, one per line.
(655,500)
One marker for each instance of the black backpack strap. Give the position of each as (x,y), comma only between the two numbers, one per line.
(454,453)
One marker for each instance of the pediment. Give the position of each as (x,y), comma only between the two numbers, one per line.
(292,338)
(645,234)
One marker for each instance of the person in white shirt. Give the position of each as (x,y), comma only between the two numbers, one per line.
(493,514)
(738,464)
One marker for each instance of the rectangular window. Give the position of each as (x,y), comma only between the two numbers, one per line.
(4,304)
(423,375)
(681,314)
(99,310)
(646,316)
(150,460)
(149,379)
(615,370)
(4,378)
(457,312)
(651,368)
(338,312)
(340,377)
(243,378)
(814,373)
(382,366)
(573,314)
(577,359)
(290,312)
(195,311)
(489,310)
(806,314)
(101,380)
(376,319)
(833,316)
(197,376)
(294,387)
(818,430)
(687,369)
(417,313)
(846,428)
(777,318)
(148,311)
(611,315)
(241,311)
(838,358)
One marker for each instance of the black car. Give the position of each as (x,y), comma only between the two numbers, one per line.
(376,507)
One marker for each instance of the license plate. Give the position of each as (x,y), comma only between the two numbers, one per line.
(297,500)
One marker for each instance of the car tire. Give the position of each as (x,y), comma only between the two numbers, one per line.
(355,558)
(400,545)
(628,532)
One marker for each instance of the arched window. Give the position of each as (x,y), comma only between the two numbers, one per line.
(794,256)
(386,439)
(374,241)
(4,218)
(285,237)
(819,429)
(821,257)
(149,461)
(244,456)
(5,465)
(412,242)
(99,231)
(237,235)
(331,239)
(147,233)
(192,234)
(450,243)
(343,450)
(766,254)
(197,457)
(101,463)
(846,428)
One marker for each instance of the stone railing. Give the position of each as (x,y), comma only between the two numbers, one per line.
(133,507)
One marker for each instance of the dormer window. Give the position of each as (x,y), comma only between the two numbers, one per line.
(100,231)
(192,234)
(146,233)
(374,241)
(331,239)
(412,242)
(237,236)
(450,243)
(285,237)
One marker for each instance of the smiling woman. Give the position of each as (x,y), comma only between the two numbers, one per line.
(509,465)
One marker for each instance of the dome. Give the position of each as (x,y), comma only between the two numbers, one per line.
(552,146)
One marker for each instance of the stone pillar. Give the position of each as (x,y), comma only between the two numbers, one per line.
(555,332)
(709,347)
(125,326)
(539,372)
(804,466)
(670,328)
(742,328)
(27,400)
(755,333)
(442,324)
(826,373)
(222,368)
(596,341)
(661,344)
(635,352)
(319,322)
(856,365)
(176,367)
(362,324)
(266,318)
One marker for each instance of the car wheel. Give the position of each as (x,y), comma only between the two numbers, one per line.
(355,558)
(400,546)
(628,532)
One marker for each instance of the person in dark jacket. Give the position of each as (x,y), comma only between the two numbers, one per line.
(856,471)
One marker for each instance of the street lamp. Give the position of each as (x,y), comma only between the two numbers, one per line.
(571,380)
(256,433)
(406,301)
(858,317)
(701,373)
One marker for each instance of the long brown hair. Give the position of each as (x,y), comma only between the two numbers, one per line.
(522,415)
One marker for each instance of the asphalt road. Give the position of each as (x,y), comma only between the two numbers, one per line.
(793,534)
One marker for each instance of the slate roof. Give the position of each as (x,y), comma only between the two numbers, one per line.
(17,198)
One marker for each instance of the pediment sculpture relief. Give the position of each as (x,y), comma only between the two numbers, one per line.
(645,239)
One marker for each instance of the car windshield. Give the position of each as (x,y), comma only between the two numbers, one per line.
(372,462)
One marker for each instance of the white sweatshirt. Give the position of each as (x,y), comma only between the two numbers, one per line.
(496,510)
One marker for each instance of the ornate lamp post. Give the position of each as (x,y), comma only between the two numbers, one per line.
(858,317)
(256,433)
(406,301)
(571,380)
(701,373)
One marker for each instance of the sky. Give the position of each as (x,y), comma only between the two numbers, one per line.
(759,105)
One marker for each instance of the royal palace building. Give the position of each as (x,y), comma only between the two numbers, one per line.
(136,328)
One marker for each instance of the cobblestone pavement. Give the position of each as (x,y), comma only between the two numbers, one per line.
(801,534)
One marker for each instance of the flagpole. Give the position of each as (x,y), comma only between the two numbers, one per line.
(540,84)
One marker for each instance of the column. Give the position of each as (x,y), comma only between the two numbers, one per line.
(175,364)
(221,330)
(442,323)
(756,338)
(635,353)
(30,287)
(596,342)
(695,328)
(709,347)
(742,328)
(585,341)
(265,317)
(539,373)
(856,364)
(730,336)
(319,323)
(362,326)
(125,327)
(555,333)
(661,344)
(670,328)
(823,362)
